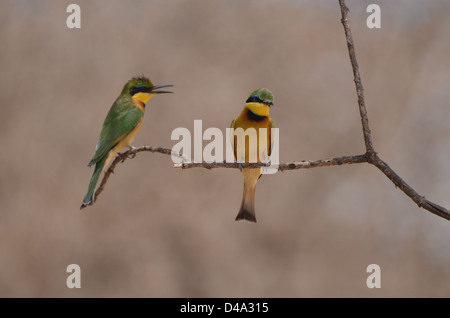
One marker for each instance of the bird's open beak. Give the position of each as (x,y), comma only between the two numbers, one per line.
(153,90)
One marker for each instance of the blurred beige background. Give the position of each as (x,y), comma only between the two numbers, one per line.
(157,231)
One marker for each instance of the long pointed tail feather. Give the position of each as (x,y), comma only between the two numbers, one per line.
(89,198)
(247,210)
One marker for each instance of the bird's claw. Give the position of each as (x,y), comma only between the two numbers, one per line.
(240,162)
(132,155)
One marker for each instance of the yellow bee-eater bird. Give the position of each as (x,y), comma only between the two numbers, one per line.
(254,115)
(121,125)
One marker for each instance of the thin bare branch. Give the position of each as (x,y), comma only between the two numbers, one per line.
(357,79)
(408,190)
(346,160)
(281,167)
(121,157)
(372,156)
(131,153)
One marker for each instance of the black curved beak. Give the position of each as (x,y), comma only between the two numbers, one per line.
(153,89)
(268,103)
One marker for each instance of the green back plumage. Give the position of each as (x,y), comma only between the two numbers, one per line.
(122,118)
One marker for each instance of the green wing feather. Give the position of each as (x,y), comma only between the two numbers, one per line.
(118,124)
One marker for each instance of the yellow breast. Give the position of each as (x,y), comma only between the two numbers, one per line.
(244,151)
(126,141)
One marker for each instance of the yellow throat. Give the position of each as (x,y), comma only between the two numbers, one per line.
(142,98)
(258,108)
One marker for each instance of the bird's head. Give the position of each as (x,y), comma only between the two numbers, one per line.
(142,89)
(260,101)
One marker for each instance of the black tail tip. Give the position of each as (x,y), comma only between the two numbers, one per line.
(85,204)
(246,215)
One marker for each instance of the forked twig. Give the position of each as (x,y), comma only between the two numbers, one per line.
(371,154)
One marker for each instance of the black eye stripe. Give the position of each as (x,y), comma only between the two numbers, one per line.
(138,89)
(256,99)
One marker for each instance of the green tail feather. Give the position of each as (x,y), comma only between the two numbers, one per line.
(88,199)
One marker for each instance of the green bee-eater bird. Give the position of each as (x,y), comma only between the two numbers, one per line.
(255,114)
(121,125)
